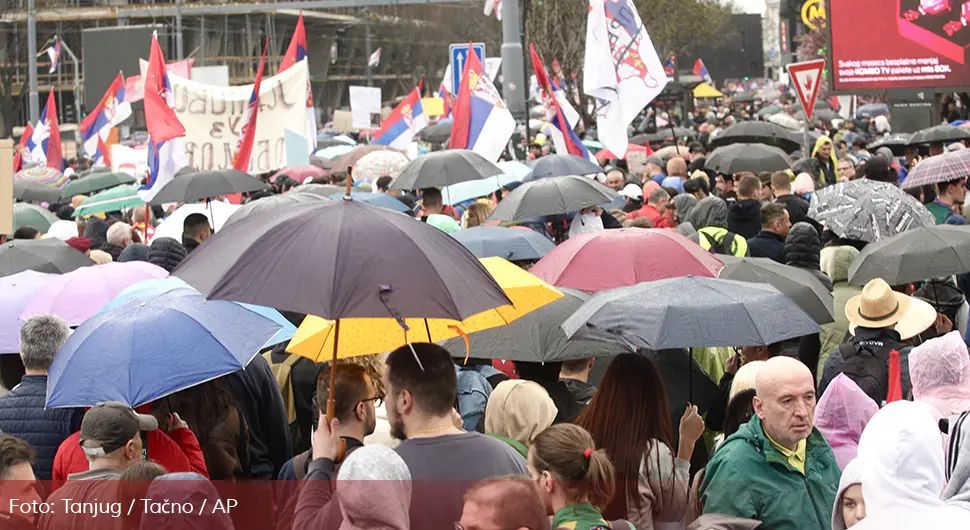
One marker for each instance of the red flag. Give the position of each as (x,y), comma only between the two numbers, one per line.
(461,126)
(895,380)
(297,49)
(549,99)
(160,118)
(105,152)
(244,148)
(18,157)
(55,158)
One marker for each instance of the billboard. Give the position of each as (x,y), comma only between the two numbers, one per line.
(900,44)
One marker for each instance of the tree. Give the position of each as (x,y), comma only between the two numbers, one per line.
(12,46)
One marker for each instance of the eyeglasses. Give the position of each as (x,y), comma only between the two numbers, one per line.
(378,400)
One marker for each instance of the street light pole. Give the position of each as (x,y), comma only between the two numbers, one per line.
(34,98)
(513,69)
(179,51)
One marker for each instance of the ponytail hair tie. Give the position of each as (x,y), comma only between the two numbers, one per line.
(588,453)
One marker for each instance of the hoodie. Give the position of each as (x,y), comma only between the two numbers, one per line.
(744,217)
(841,416)
(851,475)
(835,262)
(710,211)
(684,204)
(519,410)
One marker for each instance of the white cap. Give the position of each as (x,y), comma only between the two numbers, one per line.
(631,191)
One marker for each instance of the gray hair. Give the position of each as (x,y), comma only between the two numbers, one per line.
(119,234)
(40,338)
(658,195)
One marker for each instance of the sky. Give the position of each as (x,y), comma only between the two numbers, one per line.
(747,6)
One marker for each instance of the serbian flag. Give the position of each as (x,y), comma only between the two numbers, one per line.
(244,148)
(23,148)
(296,52)
(166,154)
(701,71)
(46,137)
(446,100)
(564,138)
(111,110)
(54,53)
(482,121)
(102,155)
(403,123)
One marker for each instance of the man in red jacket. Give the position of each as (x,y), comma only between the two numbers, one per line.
(655,209)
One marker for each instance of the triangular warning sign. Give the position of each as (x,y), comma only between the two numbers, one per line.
(807,77)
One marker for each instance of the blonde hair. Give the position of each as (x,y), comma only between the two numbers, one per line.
(100,257)
(374,365)
(562,450)
(480,211)
(744,379)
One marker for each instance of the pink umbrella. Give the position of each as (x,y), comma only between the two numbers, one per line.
(80,294)
(299,173)
(619,258)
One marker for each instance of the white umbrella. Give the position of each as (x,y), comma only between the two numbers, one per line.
(216,211)
(786,121)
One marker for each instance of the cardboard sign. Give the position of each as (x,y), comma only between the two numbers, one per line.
(365,107)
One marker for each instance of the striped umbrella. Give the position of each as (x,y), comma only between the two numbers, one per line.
(42,175)
(113,200)
(949,166)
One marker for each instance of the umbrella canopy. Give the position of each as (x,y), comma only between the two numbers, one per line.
(95,182)
(207,184)
(335,151)
(561,166)
(823,114)
(756,132)
(377,199)
(288,199)
(323,190)
(463,191)
(770,110)
(41,175)
(320,162)
(915,255)
(552,196)
(77,295)
(34,192)
(438,133)
(105,360)
(677,132)
(512,244)
(755,158)
(330,142)
(867,210)
(672,151)
(26,214)
(617,258)
(41,255)
(315,338)
(951,165)
(690,312)
(593,146)
(373,166)
(871,110)
(115,199)
(16,291)
(798,284)
(350,159)
(895,142)
(217,212)
(785,120)
(941,133)
(644,139)
(514,168)
(299,173)
(444,168)
(536,337)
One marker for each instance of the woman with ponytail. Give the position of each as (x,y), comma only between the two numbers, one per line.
(575,480)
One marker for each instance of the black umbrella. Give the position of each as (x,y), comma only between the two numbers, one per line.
(275,201)
(820,114)
(444,168)
(755,158)
(644,139)
(914,255)
(41,255)
(323,190)
(872,109)
(192,187)
(330,142)
(757,132)
(895,142)
(798,284)
(941,133)
(438,133)
(561,166)
(552,196)
(678,132)
(95,182)
(35,192)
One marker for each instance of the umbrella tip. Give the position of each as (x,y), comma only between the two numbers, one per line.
(350,182)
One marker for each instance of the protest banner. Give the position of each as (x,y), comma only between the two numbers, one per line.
(365,107)
(130,160)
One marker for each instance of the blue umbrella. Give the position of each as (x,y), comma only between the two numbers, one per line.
(376,199)
(334,151)
(514,168)
(143,350)
(513,244)
(149,289)
(561,166)
(473,189)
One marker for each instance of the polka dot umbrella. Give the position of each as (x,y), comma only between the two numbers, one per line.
(373,166)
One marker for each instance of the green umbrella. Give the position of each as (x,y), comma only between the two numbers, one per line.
(95,182)
(770,110)
(593,146)
(26,214)
(124,196)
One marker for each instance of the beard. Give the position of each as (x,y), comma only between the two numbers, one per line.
(397,427)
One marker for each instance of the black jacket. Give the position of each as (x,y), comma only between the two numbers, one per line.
(803,249)
(827,171)
(22,414)
(744,217)
(167,253)
(259,398)
(189,244)
(581,390)
(797,207)
(767,245)
(870,341)
(303,376)
(113,250)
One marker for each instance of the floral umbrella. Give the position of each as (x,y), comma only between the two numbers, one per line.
(373,166)
(42,175)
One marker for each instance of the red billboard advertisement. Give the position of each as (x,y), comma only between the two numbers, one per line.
(886,44)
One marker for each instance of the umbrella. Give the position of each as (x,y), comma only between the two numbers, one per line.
(513,244)
(334,152)
(350,159)
(798,284)
(41,175)
(951,165)
(672,151)
(330,142)
(644,139)
(632,151)
(755,158)
(323,190)
(514,168)
(115,199)
(536,337)
(320,162)
(617,258)
(373,166)
(182,340)
(552,196)
(799,137)
(314,340)
(785,120)
(207,184)
(41,255)
(77,295)
(299,173)
(690,312)
(867,210)
(16,291)
(463,191)
(34,192)
(376,199)
(275,201)
(438,133)
(561,166)
(346,139)
(820,114)
(217,212)
(149,289)
(945,133)
(27,214)
(895,142)
(593,145)
(915,255)
(756,132)
(678,132)
(95,182)
(443,168)
(770,110)
(871,110)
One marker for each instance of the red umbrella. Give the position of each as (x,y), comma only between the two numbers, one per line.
(605,154)
(299,173)
(620,258)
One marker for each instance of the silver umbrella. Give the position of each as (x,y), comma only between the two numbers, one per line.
(867,210)
(552,196)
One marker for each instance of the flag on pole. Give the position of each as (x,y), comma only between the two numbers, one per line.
(622,70)
(247,130)
(23,148)
(670,65)
(47,137)
(54,53)
(102,155)
(166,154)
(482,121)
(446,100)
(403,123)
(296,52)
(564,138)
(701,71)
(111,110)
(375,59)
(494,6)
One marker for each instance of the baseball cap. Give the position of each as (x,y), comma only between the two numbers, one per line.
(108,426)
(631,191)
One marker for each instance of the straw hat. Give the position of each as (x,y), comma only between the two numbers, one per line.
(877,306)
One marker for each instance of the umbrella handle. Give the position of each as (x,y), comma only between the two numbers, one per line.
(331,404)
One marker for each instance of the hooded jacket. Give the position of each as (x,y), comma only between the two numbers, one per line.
(940,371)
(957,490)
(684,204)
(828,174)
(744,217)
(519,410)
(374,472)
(112,250)
(851,475)
(841,415)
(803,249)
(134,252)
(835,262)
(710,218)
(96,229)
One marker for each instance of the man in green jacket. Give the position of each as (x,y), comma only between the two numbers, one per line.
(777,468)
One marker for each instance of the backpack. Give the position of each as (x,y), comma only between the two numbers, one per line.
(724,246)
(867,370)
(473,392)
(283,372)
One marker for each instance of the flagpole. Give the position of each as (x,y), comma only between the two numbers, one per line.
(34,98)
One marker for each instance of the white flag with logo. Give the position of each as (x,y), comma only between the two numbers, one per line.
(622,69)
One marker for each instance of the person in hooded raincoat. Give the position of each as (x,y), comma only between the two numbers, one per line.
(847,500)
(841,415)
(835,262)
(940,372)
(710,218)
(824,152)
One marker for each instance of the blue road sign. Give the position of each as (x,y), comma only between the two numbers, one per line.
(459,55)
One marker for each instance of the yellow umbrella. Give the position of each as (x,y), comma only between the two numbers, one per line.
(705,90)
(364,336)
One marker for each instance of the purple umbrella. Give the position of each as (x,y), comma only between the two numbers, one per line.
(78,295)
(16,291)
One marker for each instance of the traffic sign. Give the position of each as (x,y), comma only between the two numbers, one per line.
(459,56)
(807,77)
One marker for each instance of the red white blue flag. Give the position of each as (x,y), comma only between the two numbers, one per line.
(247,136)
